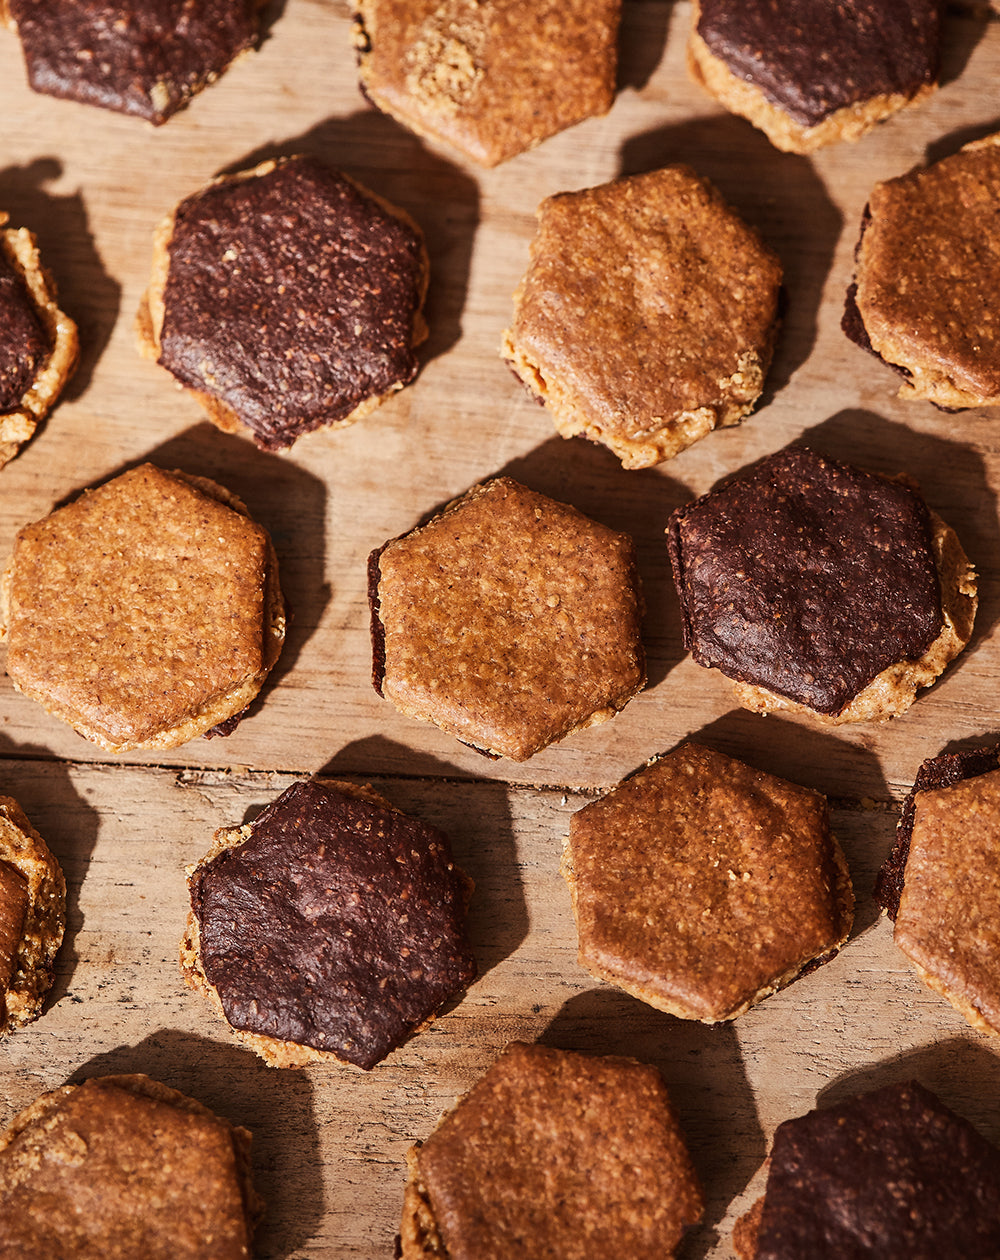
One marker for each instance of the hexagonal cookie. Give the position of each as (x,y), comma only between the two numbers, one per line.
(490,79)
(145,612)
(508,620)
(647,316)
(553,1153)
(700,885)
(147,59)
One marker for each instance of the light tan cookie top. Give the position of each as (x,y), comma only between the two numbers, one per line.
(647,315)
(490,79)
(32,917)
(553,1153)
(39,346)
(948,922)
(145,612)
(928,271)
(508,620)
(701,885)
(121,1167)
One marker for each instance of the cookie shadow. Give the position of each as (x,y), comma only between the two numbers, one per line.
(642,39)
(780,195)
(276,1106)
(706,1080)
(963,29)
(44,789)
(86,292)
(637,502)
(475,815)
(396,165)
(962,1071)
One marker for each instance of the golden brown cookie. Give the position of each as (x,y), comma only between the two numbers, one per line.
(700,885)
(122,1167)
(809,73)
(508,620)
(332,927)
(647,316)
(32,917)
(926,279)
(820,588)
(948,921)
(145,612)
(489,79)
(286,298)
(39,346)
(553,1154)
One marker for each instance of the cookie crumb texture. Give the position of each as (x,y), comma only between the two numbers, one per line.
(701,885)
(332,927)
(120,1167)
(927,277)
(490,79)
(509,620)
(141,57)
(145,612)
(287,298)
(821,588)
(32,917)
(809,73)
(893,1172)
(553,1153)
(647,316)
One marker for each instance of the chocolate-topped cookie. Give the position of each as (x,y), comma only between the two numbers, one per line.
(701,885)
(810,72)
(489,78)
(647,316)
(553,1154)
(890,1173)
(286,298)
(819,587)
(39,346)
(509,620)
(927,272)
(332,927)
(123,1168)
(143,58)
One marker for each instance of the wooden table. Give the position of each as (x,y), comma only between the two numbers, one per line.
(330,1143)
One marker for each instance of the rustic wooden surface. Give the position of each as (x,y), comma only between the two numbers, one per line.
(330,1143)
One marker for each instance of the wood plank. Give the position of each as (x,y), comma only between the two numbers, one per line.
(330,1144)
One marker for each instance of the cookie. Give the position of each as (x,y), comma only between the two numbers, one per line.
(32,917)
(700,885)
(39,346)
(488,79)
(809,73)
(893,1172)
(145,59)
(947,919)
(508,620)
(286,298)
(927,267)
(553,1153)
(332,927)
(124,1166)
(145,612)
(820,588)
(647,316)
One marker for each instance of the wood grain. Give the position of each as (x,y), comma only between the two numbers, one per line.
(329,1144)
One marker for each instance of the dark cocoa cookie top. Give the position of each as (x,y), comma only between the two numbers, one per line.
(807,577)
(890,1173)
(811,58)
(936,772)
(291,297)
(24,343)
(147,59)
(338,924)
